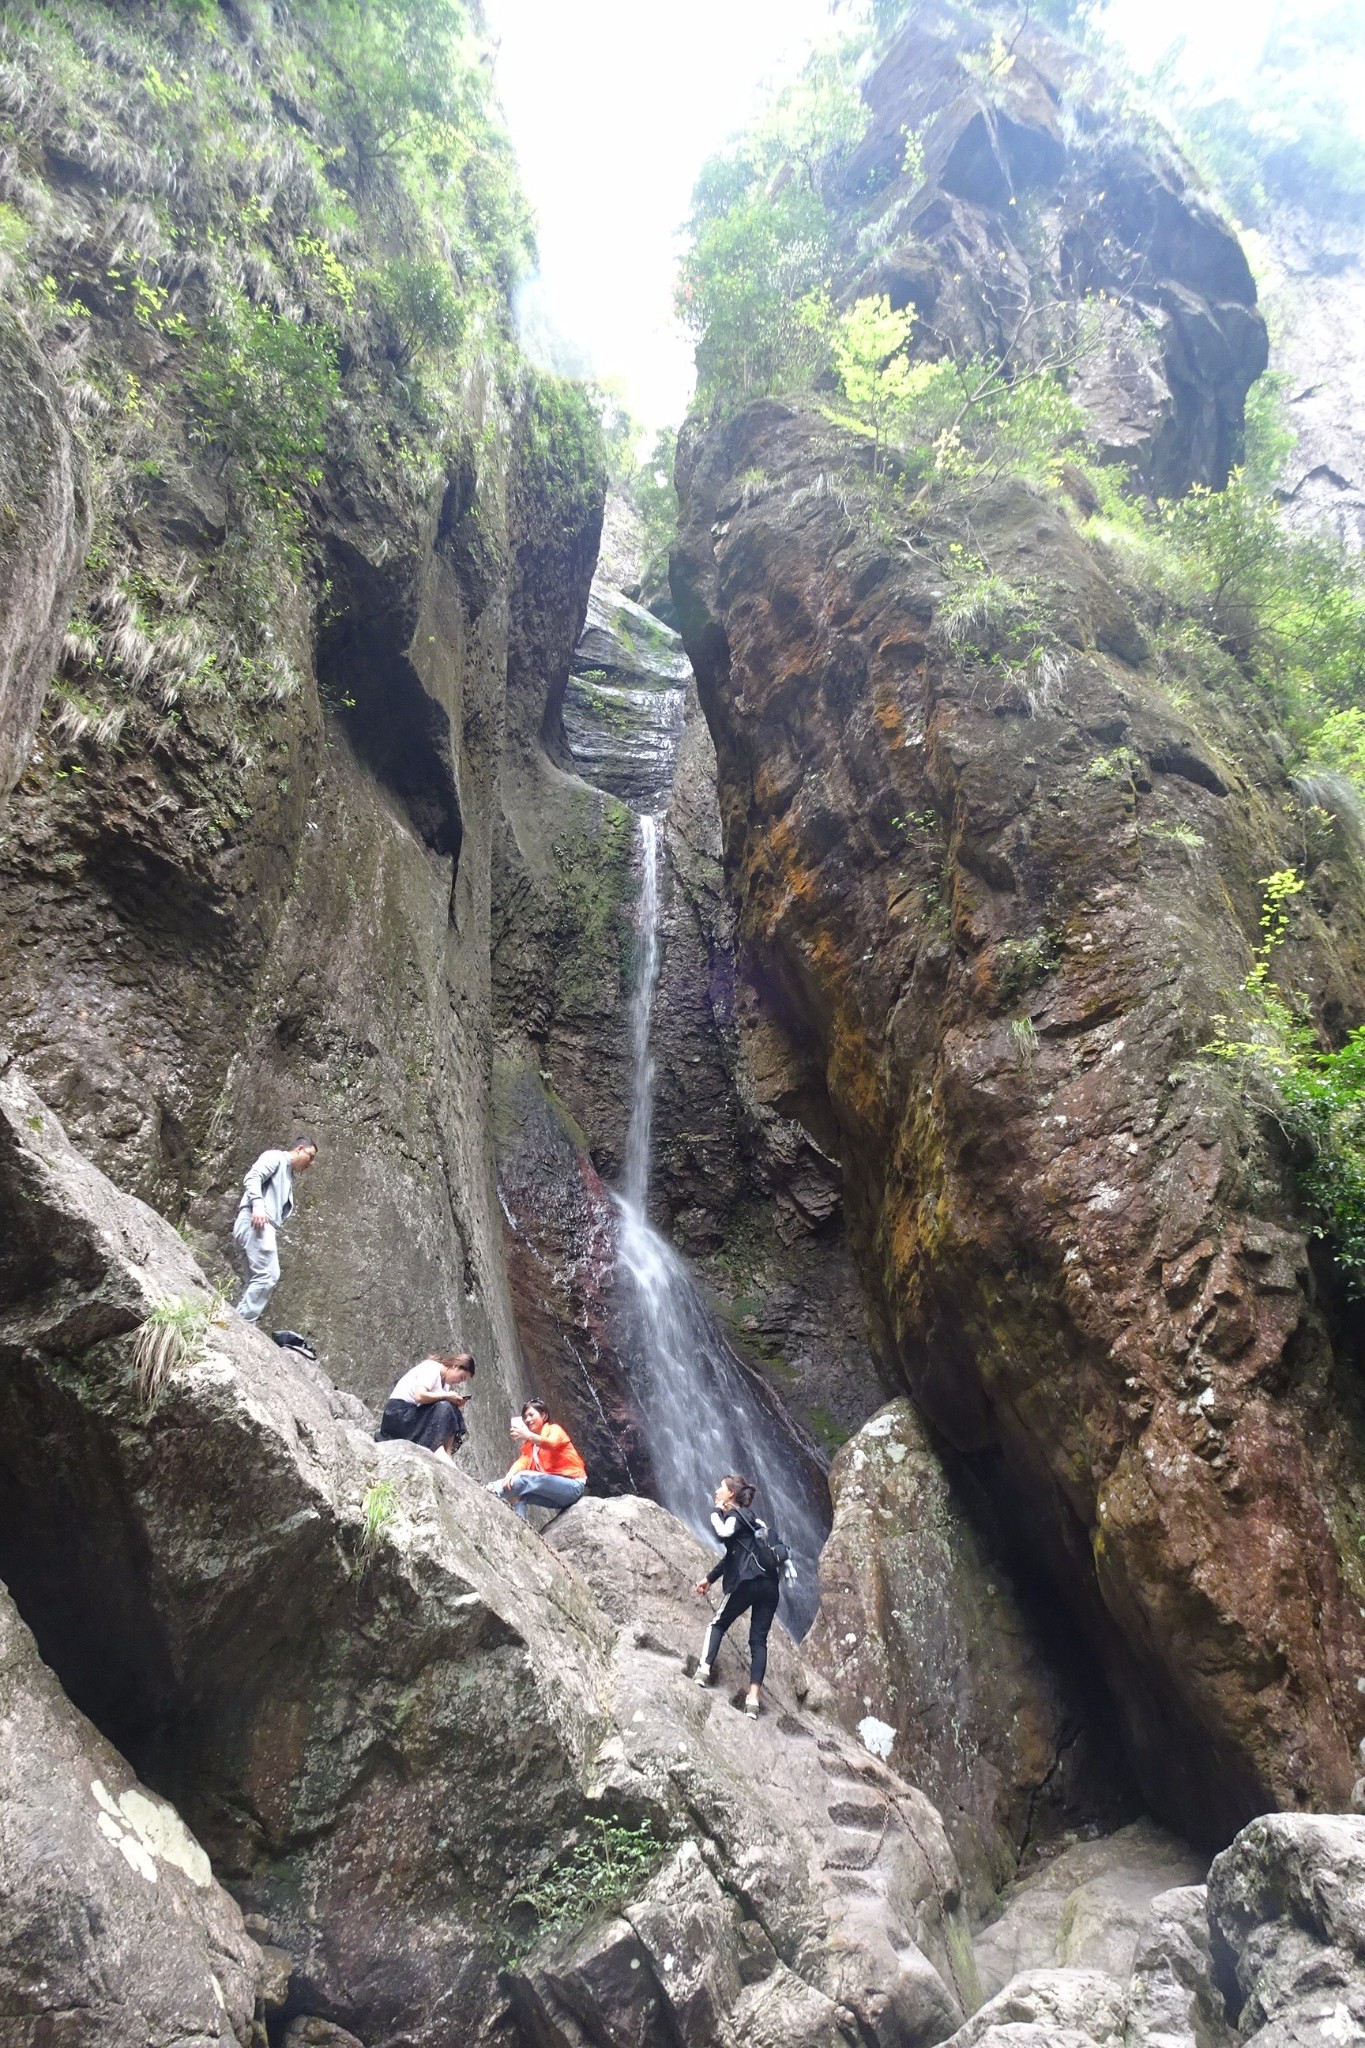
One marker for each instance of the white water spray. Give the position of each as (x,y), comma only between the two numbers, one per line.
(704,1413)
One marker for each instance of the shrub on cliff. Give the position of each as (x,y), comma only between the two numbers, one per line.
(418,307)
(750,286)
(749,293)
(1319,1095)
(265,388)
(562,466)
(1289,607)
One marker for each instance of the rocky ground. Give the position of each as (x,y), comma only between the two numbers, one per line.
(385,1721)
(391,1711)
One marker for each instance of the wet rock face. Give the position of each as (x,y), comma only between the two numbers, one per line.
(324,968)
(113,1932)
(247,891)
(380,1738)
(560,1246)
(981,914)
(930,1650)
(624,705)
(736,1183)
(1033,199)
(740,1183)
(43,488)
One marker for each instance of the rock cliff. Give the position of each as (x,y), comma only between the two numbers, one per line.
(1000,913)
(1029,198)
(248,869)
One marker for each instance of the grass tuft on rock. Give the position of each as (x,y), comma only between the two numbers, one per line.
(173,1336)
(378,1508)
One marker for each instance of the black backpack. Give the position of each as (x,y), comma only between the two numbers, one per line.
(767,1552)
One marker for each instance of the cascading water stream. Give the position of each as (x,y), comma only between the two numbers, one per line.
(705,1414)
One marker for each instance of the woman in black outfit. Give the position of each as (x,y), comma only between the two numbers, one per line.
(745,1582)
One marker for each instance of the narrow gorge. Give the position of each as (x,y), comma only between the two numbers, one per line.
(871,1005)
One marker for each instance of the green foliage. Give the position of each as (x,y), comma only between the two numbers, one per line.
(1021,964)
(1291,133)
(750,291)
(880,383)
(946,422)
(1339,743)
(14,231)
(655,498)
(419,308)
(563,464)
(1268,440)
(406,84)
(1292,606)
(912,159)
(378,1507)
(751,286)
(982,611)
(265,387)
(1321,1094)
(603,1867)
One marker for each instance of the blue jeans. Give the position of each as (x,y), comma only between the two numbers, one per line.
(542,1490)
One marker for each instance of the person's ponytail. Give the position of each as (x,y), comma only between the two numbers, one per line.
(740,1489)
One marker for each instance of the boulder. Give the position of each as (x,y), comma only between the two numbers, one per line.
(1172,1999)
(1050,2009)
(44,532)
(934,1658)
(1286,1906)
(822,1820)
(385,1705)
(307,2031)
(1087,1907)
(113,1932)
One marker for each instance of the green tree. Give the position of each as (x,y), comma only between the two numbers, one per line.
(419,307)
(748,290)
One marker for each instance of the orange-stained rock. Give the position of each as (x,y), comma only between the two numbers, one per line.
(1006,930)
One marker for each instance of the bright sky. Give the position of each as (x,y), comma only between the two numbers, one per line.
(613,105)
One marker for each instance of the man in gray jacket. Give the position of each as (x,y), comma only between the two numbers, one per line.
(267,1198)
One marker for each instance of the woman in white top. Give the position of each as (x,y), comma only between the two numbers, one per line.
(424,1408)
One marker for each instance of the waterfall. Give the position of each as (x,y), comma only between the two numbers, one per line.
(705,1413)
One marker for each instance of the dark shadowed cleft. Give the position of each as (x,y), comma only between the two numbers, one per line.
(399,731)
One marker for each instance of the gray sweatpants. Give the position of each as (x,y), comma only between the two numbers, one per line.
(259,1250)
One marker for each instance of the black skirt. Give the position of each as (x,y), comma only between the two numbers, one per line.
(432,1423)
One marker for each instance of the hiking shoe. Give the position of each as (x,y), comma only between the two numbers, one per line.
(703,1674)
(751,1709)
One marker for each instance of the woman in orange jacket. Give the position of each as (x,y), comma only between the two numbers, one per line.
(548,1471)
